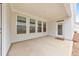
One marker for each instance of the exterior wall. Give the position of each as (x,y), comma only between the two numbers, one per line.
(66,28)
(68,24)
(0,29)
(20,37)
(6,41)
(9,34)
(52,28)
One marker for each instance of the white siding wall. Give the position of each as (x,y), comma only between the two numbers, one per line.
(67,28)
(0,29)
(20,37)
(6,41)
(52,28)
(68,23)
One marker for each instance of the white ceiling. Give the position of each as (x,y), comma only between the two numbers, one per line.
(48,11)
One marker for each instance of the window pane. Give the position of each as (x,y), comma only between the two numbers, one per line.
(60,29)
(32,26)
(44,26)
(32,29)
(39,26)
(32,21)
(21,25)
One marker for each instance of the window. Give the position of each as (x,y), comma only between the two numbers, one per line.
(32,26)
(44,26)
(39,26)
(77,13)
(21,25)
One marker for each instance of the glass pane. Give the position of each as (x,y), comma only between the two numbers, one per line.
(39,26)
(44,26)
(32,21)
(32,26)
(32,29)
(21,25)
(60,29)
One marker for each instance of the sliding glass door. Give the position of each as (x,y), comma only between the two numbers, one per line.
(60,29)
(59,32)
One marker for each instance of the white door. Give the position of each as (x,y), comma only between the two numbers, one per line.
(59,29)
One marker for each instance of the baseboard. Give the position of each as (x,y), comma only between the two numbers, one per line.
(9,49)
(28,39)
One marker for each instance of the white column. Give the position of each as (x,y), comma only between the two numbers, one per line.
(0,29)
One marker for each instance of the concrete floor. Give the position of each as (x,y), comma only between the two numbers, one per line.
(75,50)
(45,46)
